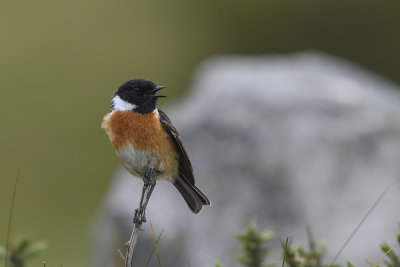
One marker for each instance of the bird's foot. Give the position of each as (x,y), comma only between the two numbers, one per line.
(137,220)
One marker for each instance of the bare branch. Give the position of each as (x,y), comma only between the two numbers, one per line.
(149,184)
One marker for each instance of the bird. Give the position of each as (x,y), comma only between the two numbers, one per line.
(144,139)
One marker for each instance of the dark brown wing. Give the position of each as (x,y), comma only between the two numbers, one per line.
(185,167)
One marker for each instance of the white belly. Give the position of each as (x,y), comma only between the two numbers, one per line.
(137,161)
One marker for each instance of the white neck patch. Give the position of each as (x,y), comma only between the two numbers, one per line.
(119,104)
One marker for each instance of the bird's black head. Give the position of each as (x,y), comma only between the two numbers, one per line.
(138,95)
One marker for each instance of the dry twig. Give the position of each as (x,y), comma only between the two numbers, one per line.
(149,184)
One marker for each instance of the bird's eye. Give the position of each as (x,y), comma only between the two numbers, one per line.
(137,91)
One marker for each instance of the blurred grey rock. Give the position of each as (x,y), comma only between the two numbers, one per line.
(287,141)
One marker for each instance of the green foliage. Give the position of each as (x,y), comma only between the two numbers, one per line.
(298,256)
(217,264)
(253,246)
(284,251)
(254,251)
(21,251)
(391,259)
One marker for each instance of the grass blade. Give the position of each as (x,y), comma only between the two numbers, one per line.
(387,252)
(155,243)
(154,247)
(284,252)
(10,216)
(359,225)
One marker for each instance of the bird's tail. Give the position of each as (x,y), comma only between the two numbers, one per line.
(192,195)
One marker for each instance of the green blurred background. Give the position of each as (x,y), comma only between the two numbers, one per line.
(60,62)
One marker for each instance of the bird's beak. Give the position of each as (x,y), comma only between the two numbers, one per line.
(158,88)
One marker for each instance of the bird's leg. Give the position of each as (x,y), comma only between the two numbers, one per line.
(138,219)
(147,198)
(149,177)
(149,180)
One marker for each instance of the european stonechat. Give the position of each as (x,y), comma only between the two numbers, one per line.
(144,137)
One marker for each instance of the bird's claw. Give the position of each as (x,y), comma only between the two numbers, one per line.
(138,221)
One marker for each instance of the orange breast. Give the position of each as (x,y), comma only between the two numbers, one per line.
(143,132)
